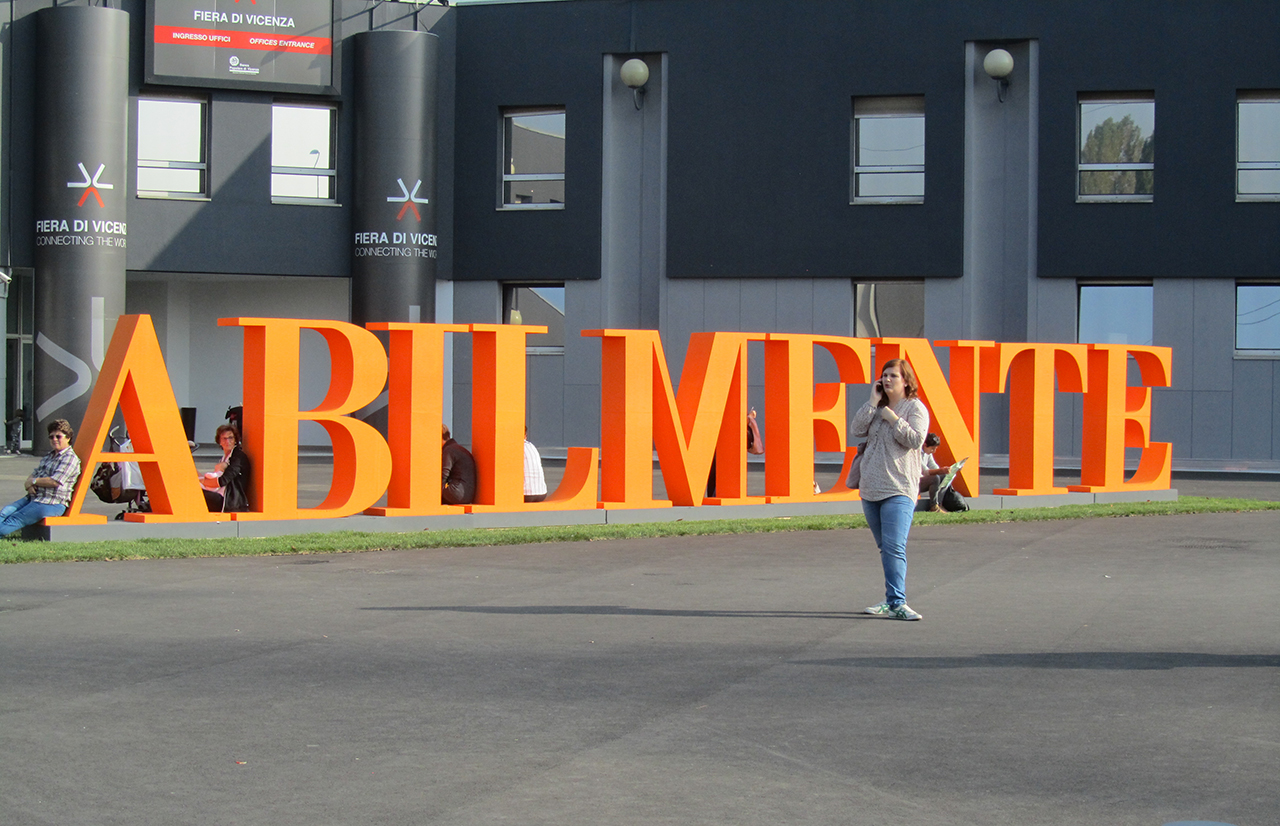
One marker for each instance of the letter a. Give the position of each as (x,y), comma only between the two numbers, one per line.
(134,377)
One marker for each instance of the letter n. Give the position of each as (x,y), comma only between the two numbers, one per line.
(134,378)
(358,372)
(954,408)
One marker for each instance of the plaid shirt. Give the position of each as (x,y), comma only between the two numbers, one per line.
(64,466)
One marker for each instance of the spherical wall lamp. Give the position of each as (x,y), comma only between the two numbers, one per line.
(635,74)
(998,64)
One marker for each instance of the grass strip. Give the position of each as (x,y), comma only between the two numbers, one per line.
(12,551)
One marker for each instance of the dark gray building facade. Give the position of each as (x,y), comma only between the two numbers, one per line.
(837,168)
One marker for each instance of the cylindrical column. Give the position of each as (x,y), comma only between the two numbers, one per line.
(396,244)
(82,98)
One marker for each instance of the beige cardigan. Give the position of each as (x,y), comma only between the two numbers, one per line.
(891,464)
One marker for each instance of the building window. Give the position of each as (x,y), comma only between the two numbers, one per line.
(1115,314)
(1258,146)
(1258,318)
(1117,147)
(537,304)
(302,153)
(172,159)
(889,308)
(886,145)
(532,159)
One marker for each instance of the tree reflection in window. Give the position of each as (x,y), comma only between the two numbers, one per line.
(1117,148)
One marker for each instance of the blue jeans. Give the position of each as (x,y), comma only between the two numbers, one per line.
(17,515)
(890,522)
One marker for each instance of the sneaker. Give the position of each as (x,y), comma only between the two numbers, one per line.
(881,610)
(903,612)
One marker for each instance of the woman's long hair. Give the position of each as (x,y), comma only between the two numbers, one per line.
(909,382)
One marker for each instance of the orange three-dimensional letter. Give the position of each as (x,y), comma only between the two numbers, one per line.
(1117,416)
(954,409)
(1031,368)
(640,412)
(415,409)
(358,372)
(134,377)
(800,417)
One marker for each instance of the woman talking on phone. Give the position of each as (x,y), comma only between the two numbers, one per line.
(894,423)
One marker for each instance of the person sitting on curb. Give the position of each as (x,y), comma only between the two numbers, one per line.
(459,472)
(535,481)
(931,477)
(50,485)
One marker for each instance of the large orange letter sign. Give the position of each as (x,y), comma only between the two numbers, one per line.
(497,413)
(1117,416)
(498,379)
(700,425)
(415,409)
(639,411)
(800,417)
(1032,368)
(358,371)
(134,377)
(954,408)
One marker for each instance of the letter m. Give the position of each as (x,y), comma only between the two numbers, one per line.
(640,411)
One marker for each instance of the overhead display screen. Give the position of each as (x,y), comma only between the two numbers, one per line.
(279,45)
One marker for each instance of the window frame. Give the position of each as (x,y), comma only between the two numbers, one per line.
(509,289)
(1251,353)
(504,177)
(328,172)
(1247,98)
(201,165)
(1083,98)
(1081,286)
(883,107)
(866,307)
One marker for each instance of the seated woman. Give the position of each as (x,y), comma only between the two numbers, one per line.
(226,488)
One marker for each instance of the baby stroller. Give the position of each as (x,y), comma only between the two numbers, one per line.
(120,483)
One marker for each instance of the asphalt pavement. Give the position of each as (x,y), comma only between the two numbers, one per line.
(1108,671)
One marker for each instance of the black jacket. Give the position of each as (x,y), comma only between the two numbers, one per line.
(459,470)
(235,482)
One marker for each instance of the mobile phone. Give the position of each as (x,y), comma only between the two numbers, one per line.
(880,386)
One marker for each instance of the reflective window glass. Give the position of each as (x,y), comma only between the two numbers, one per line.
(533,159)
(171,148)
(887,149)
(1258,317)
(1115,314)
(541,304)
(1258,146)
(302,152)
(889,308)
(1117,148)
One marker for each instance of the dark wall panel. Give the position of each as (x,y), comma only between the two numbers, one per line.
(759,141)
(1194,56)
(758,159)
(531,55)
